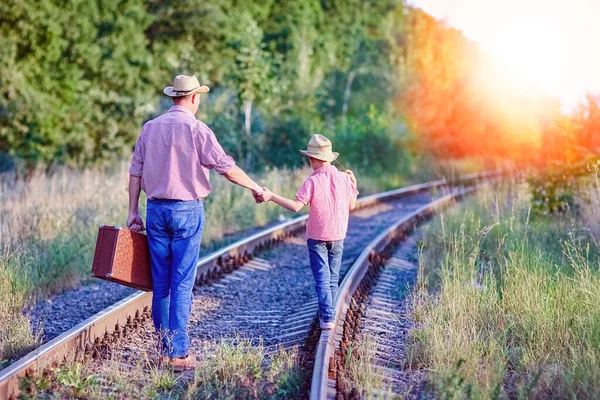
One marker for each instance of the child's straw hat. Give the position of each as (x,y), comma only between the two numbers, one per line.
(319,147)
(185,85)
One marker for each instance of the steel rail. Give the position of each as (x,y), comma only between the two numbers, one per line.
(329,339)
(239,252)
(106,326)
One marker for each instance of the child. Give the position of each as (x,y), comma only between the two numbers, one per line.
(331,195)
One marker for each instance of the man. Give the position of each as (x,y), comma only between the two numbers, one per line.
(171,164)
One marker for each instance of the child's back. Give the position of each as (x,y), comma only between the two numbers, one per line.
(329,193)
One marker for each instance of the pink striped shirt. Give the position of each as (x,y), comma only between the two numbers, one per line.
(328,191)
(173,155)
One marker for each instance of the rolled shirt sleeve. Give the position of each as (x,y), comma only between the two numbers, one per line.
(212,155)
(353,191)
(137,161)
(305,193)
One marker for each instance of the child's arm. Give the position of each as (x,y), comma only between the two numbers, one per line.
(353,179)
(353,203)
(292,205)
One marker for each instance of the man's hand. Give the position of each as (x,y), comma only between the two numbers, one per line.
(266,194)
(258,196)
(352,177)
(135,223)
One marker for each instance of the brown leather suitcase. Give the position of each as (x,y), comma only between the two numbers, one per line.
(122,256)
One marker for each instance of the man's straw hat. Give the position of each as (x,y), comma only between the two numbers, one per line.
(185,85)
(319,147)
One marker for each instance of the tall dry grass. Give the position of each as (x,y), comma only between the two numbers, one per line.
(509,305)
(49,223)
(51,220)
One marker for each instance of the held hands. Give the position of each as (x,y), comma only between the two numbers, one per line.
(265,195)
(257,193)
(351,176)
(135,223)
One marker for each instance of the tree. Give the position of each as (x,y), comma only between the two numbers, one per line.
(72,88)
(356,33)
(252,75)
(78,78)
(460,102)
(586,117)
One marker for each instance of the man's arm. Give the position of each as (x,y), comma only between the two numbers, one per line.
(239,177)
(134,221)
(292,205)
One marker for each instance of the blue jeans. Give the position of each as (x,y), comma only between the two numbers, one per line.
(325,261)
(174,232)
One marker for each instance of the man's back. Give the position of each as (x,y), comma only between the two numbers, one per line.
(171,161)
(173,155)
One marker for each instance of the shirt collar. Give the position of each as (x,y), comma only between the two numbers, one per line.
(324,168)
(182,109)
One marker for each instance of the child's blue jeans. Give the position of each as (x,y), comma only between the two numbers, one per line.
(174,232)
(325,261)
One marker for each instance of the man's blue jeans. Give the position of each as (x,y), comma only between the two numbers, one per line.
(325,261)
(174,232)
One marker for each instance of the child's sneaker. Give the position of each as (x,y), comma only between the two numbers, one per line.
(326,325)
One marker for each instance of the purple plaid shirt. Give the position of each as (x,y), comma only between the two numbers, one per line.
(173,155)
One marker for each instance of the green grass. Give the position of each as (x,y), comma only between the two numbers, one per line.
(360,372)
(118,378)
(236,369)
(228,369)
(508,304)
(16,334)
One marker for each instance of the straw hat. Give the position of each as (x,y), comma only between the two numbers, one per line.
(319,147)
(185,85)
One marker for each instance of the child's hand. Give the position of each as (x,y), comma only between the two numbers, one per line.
(352,177)
(266,194)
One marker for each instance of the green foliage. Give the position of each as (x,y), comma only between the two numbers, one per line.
(253,63)
(370,144)
(282,140)
(73,376)
(72,87)
(78,79)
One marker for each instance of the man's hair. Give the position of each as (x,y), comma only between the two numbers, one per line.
(181,99)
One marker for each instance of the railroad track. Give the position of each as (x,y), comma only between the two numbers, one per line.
(278,324)
(369,298)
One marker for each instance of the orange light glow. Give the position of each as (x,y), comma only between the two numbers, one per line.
(549,44)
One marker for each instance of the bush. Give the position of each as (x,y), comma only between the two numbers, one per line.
(558,187)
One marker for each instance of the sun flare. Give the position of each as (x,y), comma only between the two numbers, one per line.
(551,45)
